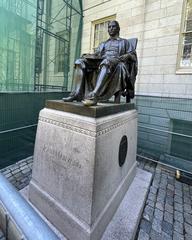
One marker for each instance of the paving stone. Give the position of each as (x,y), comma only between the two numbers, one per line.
(161,192)
(188,236)
(23,167)
(168,217)
(158,214)
(155,184)
(169,208)
(171,180)
(165,236)
(155,235)
(188,218)
(163,186)
(178,207)
(187,208)
(146,226)
(5,171)
(178,185)
(157,175)
(150,203)
(169,200)
(26,171)
(18,175)
(156,225)
(152,197)
(178,199)
(178,216)
(13,167)
(153,190)
(187,200)
(16,171)
(8,175)
(25,180)
(167,228)
(178,192)
(177,236)
(170,187)
(23,164)
(185,187)
(160,206)
(178,227)
(170,193)
(164,175)
(143,235)
(148,213)
(188,228)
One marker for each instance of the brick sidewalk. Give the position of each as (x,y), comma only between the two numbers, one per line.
(19,174)
(168,211)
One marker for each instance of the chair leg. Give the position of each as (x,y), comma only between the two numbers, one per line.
(128,99)
(117,97)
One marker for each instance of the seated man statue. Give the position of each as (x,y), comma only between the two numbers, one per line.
(111,70)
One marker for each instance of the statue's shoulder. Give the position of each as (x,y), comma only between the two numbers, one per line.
(101,45)
(123,39)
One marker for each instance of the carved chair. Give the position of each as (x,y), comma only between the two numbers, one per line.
(128,93)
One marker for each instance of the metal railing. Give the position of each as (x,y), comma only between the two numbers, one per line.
(18,220)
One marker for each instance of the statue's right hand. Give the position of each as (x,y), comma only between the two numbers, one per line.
(84,54)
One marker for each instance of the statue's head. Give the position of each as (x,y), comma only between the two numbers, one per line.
(113,29)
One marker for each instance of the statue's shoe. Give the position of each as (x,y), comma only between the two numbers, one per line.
(89,102)
(72,98)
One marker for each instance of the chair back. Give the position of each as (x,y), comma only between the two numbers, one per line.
(132,44)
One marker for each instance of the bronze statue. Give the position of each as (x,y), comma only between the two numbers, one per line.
(111,70)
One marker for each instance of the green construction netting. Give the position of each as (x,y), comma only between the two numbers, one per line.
(165,130)
(18,120)
(17,40)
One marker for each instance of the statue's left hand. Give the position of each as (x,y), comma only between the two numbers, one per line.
(124,57)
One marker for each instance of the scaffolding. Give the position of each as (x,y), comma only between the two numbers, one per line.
(39,41)
(58,42)
(17,39)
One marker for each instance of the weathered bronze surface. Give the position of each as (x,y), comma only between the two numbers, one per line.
(111,70)
(102,109)
(123,147)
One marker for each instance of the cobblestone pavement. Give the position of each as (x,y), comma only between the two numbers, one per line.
(168,210)
(19,174)
(167,213)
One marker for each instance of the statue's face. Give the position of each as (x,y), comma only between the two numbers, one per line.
(113,29)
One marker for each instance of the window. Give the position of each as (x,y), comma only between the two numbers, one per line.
(59,53)
(101,30)
(185,52)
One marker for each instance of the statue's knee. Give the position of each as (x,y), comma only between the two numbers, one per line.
(79,63)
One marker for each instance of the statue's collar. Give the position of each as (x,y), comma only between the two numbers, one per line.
(114,38)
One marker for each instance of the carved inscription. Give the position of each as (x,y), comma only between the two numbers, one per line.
(57,155)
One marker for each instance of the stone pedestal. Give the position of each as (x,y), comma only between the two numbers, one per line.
(79,176)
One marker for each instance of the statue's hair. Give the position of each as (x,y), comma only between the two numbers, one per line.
(115,23)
